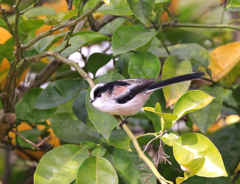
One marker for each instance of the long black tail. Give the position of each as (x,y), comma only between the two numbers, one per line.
(177,79)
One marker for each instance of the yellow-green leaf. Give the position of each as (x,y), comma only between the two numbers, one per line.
(191,101)
(191,146)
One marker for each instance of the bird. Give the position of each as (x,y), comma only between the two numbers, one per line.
(127,97)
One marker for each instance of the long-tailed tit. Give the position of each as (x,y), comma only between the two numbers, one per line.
(127,97)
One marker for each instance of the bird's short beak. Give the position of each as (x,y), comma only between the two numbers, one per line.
(91,101)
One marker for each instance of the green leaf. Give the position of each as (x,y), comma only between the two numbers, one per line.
(34,12)
(61,16)
(233,5)
(192,167)
(227,140)
(31,135)
(205,117)
(60,165)
(76,130)
(31,24)
(47,42)
(25,110)
(79,106)
(162,1)
(7,51)
(103,122)
(96,170)
(167,119)
(119,139)
(142,9)
(170,138)
(96,61)
(173,68)
(88,145)
(99,151)
(78,40)
(144,65)
(134,37)
(117,8)
(3,24)
(191,101)
(191,146)
(192,51)
(129,166)
(59,92)
(70,14)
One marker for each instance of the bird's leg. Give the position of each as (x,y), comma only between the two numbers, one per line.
(124,121)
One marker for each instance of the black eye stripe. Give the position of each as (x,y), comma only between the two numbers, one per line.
(108,87)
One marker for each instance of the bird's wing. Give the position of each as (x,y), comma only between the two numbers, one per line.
(137,86)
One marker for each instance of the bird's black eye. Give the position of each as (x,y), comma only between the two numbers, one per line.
(99,95)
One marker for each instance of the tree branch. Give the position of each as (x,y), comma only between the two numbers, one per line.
(97,25)
(6,121)
(60,26)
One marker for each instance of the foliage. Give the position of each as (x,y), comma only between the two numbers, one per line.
(48,91)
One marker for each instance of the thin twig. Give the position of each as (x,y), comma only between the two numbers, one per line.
(30,142)
(161,134)
(30,7)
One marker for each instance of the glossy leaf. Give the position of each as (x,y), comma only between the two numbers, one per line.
(144,65)
(191,146)
(78,40)
(76,130)
(142,9)
(103,122)
(97,170)
(191,101)
(134,37)
(193,166)
(129,166)
(205,117)
(31,24)
(192,51)
(60,165)
(96,61)
(47,42)
(99,151)
(117,8)
(79,106)
(59,92)
(87,144)
(170,138)
(25,110)
(233,5)
(227,140)
(119,139)
(173,68)
(223,59)
(167,119)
